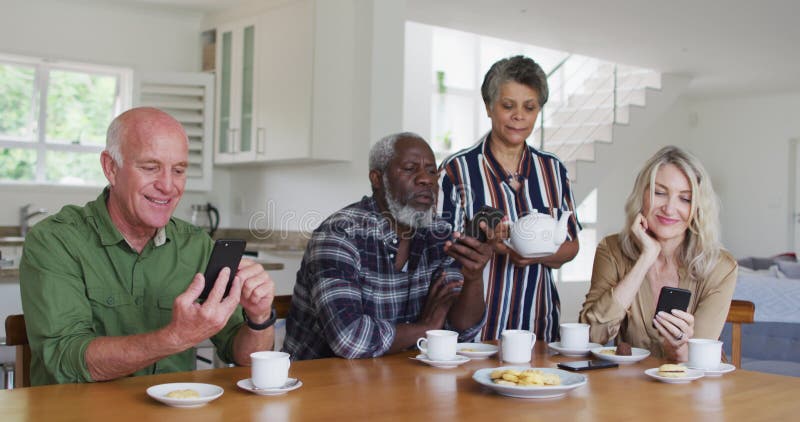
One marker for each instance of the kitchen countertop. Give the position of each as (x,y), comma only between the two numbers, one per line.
(283,245)
(11,275)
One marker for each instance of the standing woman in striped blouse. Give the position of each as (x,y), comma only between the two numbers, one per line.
(504,172)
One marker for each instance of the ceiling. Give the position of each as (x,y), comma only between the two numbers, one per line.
(726,46)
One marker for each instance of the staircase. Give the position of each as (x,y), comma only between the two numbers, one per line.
(590,103)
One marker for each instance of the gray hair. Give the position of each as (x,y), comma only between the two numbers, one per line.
(383,151)
(114,140)
(519,69)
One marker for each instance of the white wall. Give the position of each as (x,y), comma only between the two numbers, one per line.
(744,143)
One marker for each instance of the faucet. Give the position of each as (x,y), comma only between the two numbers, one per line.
(25,215)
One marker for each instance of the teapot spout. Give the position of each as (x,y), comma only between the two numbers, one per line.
(560,234)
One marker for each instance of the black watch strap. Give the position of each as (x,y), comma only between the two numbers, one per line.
(264,325)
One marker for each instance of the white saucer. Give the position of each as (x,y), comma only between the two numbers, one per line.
(637,354)
(476,350)
(207,393)
(723,368)
(556,346)
(291,384)
(691,375)
(445,364)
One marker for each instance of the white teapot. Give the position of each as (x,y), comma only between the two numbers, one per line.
(538,234)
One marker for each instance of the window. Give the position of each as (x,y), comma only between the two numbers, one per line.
(53,119)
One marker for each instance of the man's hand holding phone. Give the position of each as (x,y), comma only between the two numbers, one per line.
(193,321)
(208,303)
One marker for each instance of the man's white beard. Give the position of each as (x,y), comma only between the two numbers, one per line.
(406,214)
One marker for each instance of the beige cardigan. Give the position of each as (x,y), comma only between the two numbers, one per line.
(709,304)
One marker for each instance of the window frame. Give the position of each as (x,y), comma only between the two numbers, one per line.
(38,139)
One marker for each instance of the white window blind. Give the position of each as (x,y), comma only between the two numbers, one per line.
(189,98)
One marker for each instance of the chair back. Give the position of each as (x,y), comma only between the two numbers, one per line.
(282,305)
(16,335)
(740,312)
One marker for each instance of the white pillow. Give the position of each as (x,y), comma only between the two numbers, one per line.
(789,269)
(772,271)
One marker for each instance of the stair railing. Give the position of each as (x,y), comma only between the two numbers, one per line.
(573,72)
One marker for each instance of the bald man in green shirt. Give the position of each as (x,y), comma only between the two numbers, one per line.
(110,289)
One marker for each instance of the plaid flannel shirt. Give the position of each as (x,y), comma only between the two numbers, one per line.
(349,297)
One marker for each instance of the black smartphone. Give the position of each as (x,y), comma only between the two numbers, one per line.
(226,253)
(673,298)
(490,215)
(586,365)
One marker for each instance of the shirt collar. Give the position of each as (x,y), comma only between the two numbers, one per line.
(494,166)
(97,212)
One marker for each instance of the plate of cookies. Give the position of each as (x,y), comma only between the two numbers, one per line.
(623,353)
(185,394)
(674,374)
(529,383)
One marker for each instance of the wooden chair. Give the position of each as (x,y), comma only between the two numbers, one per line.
(282,305)
(740,312)
(16,335)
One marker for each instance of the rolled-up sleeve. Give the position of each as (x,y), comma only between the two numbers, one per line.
(58,314)
(338,298)
(600,310)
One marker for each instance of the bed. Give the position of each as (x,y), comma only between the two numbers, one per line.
(772,343)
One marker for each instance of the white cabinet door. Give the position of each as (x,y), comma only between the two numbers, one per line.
(236,71)
(279,98)
(285,63)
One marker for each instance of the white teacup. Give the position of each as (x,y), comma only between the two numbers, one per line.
(270,369)
(574,336)
(438,344)
(516,345)
(704,353)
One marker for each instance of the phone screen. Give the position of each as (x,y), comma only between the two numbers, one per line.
(226,253)
(585,365)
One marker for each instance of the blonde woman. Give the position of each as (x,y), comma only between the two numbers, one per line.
(671,238)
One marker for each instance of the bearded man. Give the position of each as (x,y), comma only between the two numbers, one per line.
(380,272)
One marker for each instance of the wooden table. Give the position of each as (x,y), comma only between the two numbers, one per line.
(397,388)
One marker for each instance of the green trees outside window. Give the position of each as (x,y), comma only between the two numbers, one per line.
(53,119)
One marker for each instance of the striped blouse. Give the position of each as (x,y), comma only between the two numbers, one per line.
(516,297)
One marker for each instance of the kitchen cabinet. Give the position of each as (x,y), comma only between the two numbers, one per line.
(271,93)
(235,91)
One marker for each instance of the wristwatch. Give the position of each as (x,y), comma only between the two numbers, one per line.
(264,325)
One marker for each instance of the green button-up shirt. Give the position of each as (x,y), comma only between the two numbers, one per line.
(80,280)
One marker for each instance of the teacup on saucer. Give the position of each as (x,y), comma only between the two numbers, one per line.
(445,364)
(557,347)
(291,384)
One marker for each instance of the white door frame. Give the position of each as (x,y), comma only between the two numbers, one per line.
(794,196)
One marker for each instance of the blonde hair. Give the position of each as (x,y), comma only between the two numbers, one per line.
(701,247)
